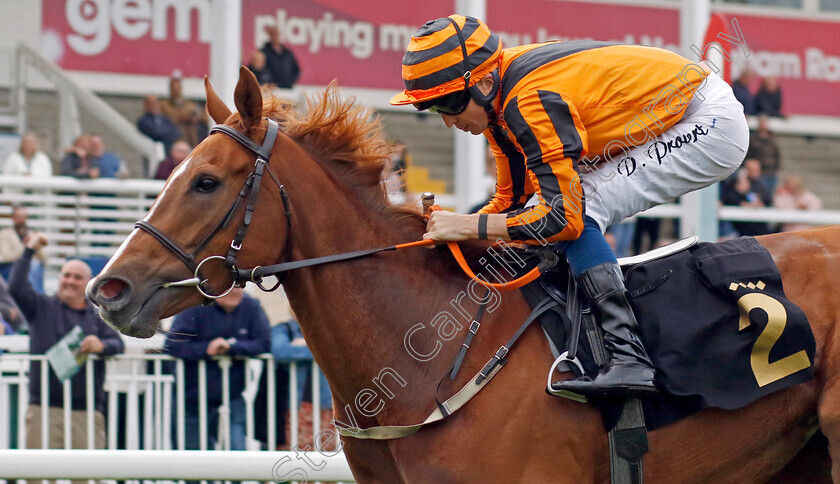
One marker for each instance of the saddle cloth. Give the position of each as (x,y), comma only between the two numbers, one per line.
(716,324)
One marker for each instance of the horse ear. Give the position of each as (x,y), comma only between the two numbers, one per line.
(248,99)
(215,106)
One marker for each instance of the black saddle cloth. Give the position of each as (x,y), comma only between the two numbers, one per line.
(716,324)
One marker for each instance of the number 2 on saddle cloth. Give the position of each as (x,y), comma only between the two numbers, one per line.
(715,322)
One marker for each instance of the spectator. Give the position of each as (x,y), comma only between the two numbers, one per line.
(180,151)
(191,121)
(5,329)
(768,99)
(51,318)
(622,237)
(646,226)
(235,326)
(110,165)
(9,310)
(261,72)
(288,346)
(12,245)
(279,60)
(741,89)
(737,191)
(29,160)
(793,195)
(79,161)
(757,184)
(765,148)
(157,125)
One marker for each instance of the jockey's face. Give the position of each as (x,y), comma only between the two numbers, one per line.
(474,119)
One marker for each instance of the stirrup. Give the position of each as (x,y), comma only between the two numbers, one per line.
(573,364)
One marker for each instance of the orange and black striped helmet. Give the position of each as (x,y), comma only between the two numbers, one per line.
(434,64)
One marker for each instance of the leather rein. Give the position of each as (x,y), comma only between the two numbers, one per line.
(251,189)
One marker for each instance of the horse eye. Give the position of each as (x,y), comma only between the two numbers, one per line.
(206,185)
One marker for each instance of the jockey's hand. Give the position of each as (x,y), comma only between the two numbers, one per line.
(447,226)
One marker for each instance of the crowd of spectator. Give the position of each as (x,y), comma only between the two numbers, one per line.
(274,64)
(766,98)
(756,184)
(236,326)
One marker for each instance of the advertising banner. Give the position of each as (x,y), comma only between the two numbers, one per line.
(361,43)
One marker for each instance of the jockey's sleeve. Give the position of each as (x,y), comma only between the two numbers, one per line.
(513,187)
(551,135)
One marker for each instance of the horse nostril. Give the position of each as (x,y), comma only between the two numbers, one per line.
(111,289)
(112,293)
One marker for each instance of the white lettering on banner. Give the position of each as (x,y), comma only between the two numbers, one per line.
(357,37)
(813,62)
(821,67)
(778,64)
(93,20)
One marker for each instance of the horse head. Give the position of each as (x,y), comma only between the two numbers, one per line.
(192,225)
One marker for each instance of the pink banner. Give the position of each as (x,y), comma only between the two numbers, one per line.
(803,55)
(133,37)
(361,43)
(542,20)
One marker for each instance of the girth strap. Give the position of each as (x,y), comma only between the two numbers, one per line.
(500,358)
(456,401)
(473,329)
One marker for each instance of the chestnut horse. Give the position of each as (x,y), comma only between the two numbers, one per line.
(357,315)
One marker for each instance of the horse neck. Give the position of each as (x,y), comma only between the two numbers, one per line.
(355,314)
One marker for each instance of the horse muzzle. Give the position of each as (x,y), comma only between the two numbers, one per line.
(114,296)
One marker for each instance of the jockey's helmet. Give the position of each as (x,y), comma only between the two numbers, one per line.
(444,60)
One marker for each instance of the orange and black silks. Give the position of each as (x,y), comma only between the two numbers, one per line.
(563,102)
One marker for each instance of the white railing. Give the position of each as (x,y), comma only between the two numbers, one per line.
(154,400)
(167,465)
(81,218)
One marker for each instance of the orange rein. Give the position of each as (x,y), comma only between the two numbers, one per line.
(531,276)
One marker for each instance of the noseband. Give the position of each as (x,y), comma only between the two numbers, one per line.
(251,188)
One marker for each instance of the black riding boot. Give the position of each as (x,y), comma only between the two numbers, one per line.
(629,372)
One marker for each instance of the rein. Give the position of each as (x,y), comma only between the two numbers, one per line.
(240,277)
(251,187)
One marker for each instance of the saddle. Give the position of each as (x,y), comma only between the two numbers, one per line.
(714,320)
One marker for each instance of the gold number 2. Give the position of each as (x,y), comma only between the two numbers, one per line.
(764,371)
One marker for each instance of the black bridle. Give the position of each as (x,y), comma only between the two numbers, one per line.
(252,186)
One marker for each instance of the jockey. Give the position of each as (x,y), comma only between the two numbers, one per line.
(592,133)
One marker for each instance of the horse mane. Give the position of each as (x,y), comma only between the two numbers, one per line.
(349,139)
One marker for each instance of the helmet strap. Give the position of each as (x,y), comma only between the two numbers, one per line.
(480,97)
(486,101)
(467,72)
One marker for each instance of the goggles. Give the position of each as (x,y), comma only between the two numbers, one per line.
(452,104)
